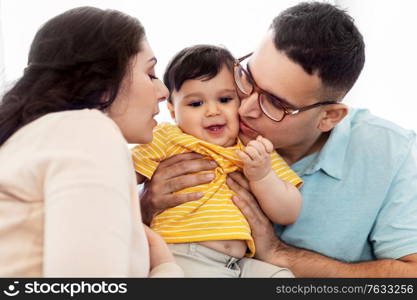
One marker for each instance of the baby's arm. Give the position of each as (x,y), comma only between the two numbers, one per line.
(279,199)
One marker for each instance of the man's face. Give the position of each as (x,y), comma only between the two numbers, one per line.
(275,73)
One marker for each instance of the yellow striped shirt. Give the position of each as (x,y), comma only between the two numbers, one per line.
(214,216)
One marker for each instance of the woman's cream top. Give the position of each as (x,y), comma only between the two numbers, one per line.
(68,201)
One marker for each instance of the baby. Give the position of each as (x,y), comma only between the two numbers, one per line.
(210,237)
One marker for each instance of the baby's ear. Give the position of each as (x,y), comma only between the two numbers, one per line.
(171,109)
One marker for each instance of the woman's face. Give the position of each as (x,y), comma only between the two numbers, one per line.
(136,104)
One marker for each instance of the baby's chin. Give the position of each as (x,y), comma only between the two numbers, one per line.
(221,142)
(224,139)
(230,143)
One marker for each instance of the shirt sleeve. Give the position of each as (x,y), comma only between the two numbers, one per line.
(146,157)
(283,170)
(87,190)
(395,231)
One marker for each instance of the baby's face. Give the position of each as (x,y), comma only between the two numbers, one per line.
(208,109)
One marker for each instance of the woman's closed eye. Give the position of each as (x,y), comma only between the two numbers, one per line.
(153,77)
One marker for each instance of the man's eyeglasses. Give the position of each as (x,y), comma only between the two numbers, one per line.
(271,106)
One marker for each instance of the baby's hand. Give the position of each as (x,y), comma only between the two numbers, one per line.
(256,159)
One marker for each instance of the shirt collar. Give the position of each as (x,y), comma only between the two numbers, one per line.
(331,158)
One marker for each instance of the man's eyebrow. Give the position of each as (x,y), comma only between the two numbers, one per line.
(280,99)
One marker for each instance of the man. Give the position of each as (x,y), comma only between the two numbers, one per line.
(359,215)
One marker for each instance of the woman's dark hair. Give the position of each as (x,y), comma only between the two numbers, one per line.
(197,62)
(324,39)
(77,60)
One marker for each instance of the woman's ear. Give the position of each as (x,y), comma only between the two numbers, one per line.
(171,109)
(333,114)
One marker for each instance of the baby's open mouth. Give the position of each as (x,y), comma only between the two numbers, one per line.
(217,128)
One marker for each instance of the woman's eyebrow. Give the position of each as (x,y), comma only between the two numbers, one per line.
(153,60)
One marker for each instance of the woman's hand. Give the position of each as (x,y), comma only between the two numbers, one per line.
(158,250)
(172,175)
(266,242)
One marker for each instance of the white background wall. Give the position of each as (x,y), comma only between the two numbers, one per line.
(386,85)
(388,82)
(2,71)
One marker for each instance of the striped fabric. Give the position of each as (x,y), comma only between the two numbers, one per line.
(214,216)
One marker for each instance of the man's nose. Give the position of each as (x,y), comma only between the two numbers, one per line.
(249,106)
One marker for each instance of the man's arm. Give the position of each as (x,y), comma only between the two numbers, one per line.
(174,174)
(139,178)
(305,263)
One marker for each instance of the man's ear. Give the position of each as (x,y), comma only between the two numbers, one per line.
(171,109)
(333,114)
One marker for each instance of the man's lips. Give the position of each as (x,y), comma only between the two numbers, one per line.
(246,129)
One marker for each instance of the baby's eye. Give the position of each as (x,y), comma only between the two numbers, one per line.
(225,99)
(195,103)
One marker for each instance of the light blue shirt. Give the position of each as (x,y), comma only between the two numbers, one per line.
(359,192)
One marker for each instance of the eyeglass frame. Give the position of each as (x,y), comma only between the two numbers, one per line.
(257,89)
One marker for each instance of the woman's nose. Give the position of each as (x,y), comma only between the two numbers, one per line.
(162,92)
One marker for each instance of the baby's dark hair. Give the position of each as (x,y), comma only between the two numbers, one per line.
(202,62)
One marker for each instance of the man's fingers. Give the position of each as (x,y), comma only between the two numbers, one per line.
(239,179)
(178,199)
(246,202)
(249,207)
(238,189)
(245,209)
(233,185)
(179,157)
(172,200)
(181,182)
(188,167)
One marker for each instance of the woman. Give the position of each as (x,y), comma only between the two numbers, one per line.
(68,201)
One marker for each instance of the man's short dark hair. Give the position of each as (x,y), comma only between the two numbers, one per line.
(202,62)
(324,39)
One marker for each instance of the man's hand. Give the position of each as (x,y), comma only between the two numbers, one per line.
(270,249)
(172,175)
(266,242)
